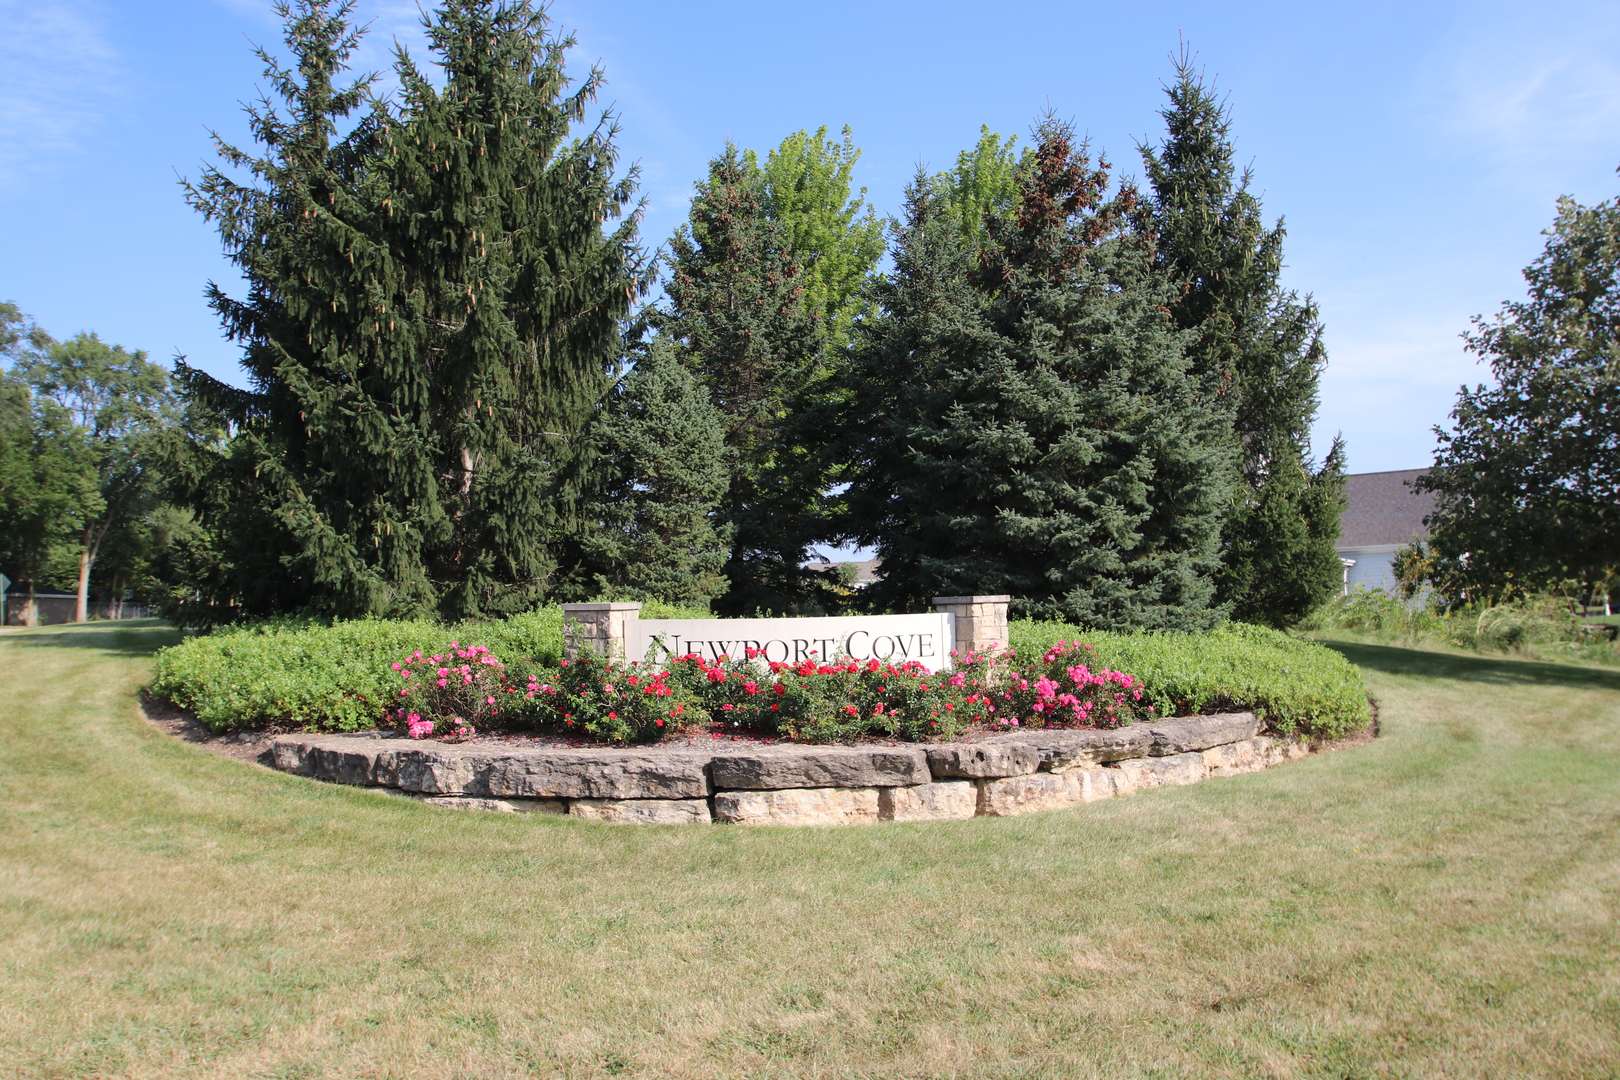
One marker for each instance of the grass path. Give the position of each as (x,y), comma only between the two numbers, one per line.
(1441,903)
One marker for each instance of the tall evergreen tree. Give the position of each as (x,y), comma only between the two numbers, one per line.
(432,312)
(928,320)
(1264,345)
(737,309)
(661,472)
(1067,456)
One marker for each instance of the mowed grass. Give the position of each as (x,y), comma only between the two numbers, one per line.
(1439,903)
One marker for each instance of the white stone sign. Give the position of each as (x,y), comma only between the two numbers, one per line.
(926,639)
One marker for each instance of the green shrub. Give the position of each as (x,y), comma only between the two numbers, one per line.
(1295,685)
(311,675)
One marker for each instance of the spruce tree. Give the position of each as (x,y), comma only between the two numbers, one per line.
(1068,456)
(432,312)
(928,319)
(736,307)
(661,471)
(1264,345)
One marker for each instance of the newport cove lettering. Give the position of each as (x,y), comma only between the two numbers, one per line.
(926,639)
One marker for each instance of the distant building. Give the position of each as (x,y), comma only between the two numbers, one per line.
(865,572)
(1382,515)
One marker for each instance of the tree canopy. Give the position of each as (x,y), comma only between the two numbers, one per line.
(1527,478)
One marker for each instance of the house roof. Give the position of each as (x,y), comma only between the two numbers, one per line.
(865,572)
(1382,508)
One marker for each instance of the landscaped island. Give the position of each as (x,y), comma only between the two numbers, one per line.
(1050,720)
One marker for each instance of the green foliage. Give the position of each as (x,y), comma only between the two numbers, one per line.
(737,310)
(1260,344)
(310,674)
(1052,442)
(982,185)
(1528,479)
(432,312)
(1541,626)
(123,405)
(834,236)
(662,468)
(1295,685)
(47,488)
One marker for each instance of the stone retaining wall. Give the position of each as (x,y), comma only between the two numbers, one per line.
(1014,773)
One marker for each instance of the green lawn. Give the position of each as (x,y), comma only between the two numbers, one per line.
(1440,903)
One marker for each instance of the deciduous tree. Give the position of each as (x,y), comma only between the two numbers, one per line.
(1527,478)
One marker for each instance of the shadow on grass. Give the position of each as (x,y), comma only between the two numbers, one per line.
(128,637)
(1502,671)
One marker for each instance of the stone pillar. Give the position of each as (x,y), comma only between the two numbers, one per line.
(597,626)
(981,621)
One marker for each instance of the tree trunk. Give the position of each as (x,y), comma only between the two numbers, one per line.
(31,607)
(81,610)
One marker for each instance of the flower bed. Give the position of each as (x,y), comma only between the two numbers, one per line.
(352,677)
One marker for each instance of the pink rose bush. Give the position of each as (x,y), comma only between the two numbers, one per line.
(451,694)
(1064,690)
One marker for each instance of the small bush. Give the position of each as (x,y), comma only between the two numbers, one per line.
(1295,685)
(1064,690)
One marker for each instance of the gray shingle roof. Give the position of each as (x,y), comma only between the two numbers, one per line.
(1383,509)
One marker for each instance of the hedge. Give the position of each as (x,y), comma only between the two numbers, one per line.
(1295,685)
(332,677)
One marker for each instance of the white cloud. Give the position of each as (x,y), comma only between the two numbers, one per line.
(61,82)
(1528,89)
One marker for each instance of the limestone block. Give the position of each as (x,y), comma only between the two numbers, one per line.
(945,800)
(773,768)
(983,759)
(643,811)
(338,759)
(1142,773)
(594,774)
(1201,732)
(1285,749)
(437,769)
(1044,791)
(1061,749)
(494,771)
(798,806)
(498,806)
(1239,757)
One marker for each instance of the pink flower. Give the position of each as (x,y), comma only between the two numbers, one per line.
(489,701)
(444,682)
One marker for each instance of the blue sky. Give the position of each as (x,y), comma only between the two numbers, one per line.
(1414,149)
